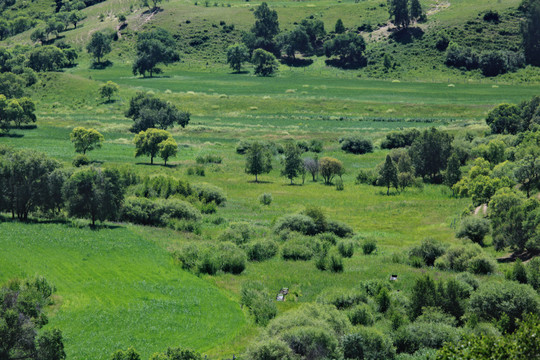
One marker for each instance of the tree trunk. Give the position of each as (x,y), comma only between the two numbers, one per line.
(93,219)
(388,190)
(151,160)
(165,162)
(291,181)
(256,180)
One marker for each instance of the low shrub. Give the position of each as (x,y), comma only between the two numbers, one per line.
(157,212)
(329,238)
(296,222)
(265,199)
(343,298)
(481,264)
(270,349)
(428,250)
(231,258)
(80,160)
(346,248)
(474,228)
(261,250)
(457,258)
(315,146)
(339,228)
(335,262)
(301,248)
(366,344)
(238,233)
(417,335)
(367,177)
(208,159)
(255,298)
(208,193)
(369,246)
(356,144)
(339,185)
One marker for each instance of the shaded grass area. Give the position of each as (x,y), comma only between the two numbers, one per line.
(116,289)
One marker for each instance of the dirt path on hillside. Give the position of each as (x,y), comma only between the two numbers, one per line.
(386,31)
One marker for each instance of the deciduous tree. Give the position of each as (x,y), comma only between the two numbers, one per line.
(291,162)
(153,48)
(99,45)
(147,142)
(86,139)
(388,175)
(258,160)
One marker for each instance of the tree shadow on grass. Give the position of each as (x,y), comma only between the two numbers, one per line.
(260,182)
(296,62)
(346,65)
(172,166)
(11,135)
(241,72)
(101,65)
(407,35)
(523,256)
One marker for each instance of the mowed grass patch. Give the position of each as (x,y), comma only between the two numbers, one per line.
(116,289)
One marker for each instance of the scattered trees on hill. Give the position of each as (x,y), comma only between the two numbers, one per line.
(148,111)
(22,305)
(46,58)
(149,143)
(99,45)
(153,48)
(107,90)
(86,139)
(94,193)
(258,160)
(265,62)
(237,54)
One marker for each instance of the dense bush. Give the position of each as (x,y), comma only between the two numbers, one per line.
(342,298)
(162,186)
(312,342)
(369,246)
(261,250)
(335,262)
(208,193)
(255,297)
(346,248)
(300,248)
(417,335)
(208,159)
(157,212)
(458,258)
(367,177)
(428,250)
(339,228)
(361,315)
(296,222)
(80,160)
(265,199)
(481,264)
(474,228)
(399,139)
(368,344)
(238,233)
(270,349)
(231,258)
(356,144)
(493,301)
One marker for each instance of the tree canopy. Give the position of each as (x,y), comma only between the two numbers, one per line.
(148,142)
(99,45)
(86,139)
(258,160)
(147,111)
(153,48)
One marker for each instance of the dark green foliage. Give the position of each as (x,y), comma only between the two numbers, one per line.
(417,335)
(356,144)
(424,294)
(335,262)
(343,298)
(21,316)
(258,160)
(443,40)
(339,228)
(261,250)
(533,273)
(11,85)
(157,212)
(292,163)
(23,181)
(297,222)
(481,264)
(383,300)
(129,354)
(237,54)
(162,186)
(416,12)
(339,28)
(265,28)
(99,45)
(430,152)
(265,62)
(346,248)
(474,228)
(153,48)
(319,218)
(361,315)
(457,258)
(388,175)
(265,199)
(238,233)
(367,177)
(453,172)
(300,248)
(315,31)
(46,58)
(399,12)
(176,353)
(453,295)
(519,273)
(530,31)
(209,193)
(147,111)
(262,306)
(493,301)
(368,344)
(348,47)
(294,41)
(270,349)
(505,118)
(369,246)
(398,139)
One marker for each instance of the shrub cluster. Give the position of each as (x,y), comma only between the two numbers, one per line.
(356,144)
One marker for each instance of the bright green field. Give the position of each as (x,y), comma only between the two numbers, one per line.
(116,289)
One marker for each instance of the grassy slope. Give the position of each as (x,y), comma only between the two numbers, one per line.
(116,289)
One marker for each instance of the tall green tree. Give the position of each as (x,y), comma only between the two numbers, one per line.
(453,172)
(430,152)
(237,54)
(388,176)
(258,160)
(399,12)
(99,45)
(349,47)
(94,193)
(530,32)
(153,48)
(266,27)
(147,142)
(107,90)
(292,162)
(295,40)
(416,10)
(339,28)
(86,139)
(265,62)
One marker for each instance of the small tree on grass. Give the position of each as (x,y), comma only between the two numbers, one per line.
(474,228)
(265,62)
(312,166)
(167,149)
(292,162)
(237,54)
(329,168)
(147,142)
(258,160)
(453,172)
(388,175)
(107,90)
(339,28)
(99,46)
(86,139)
